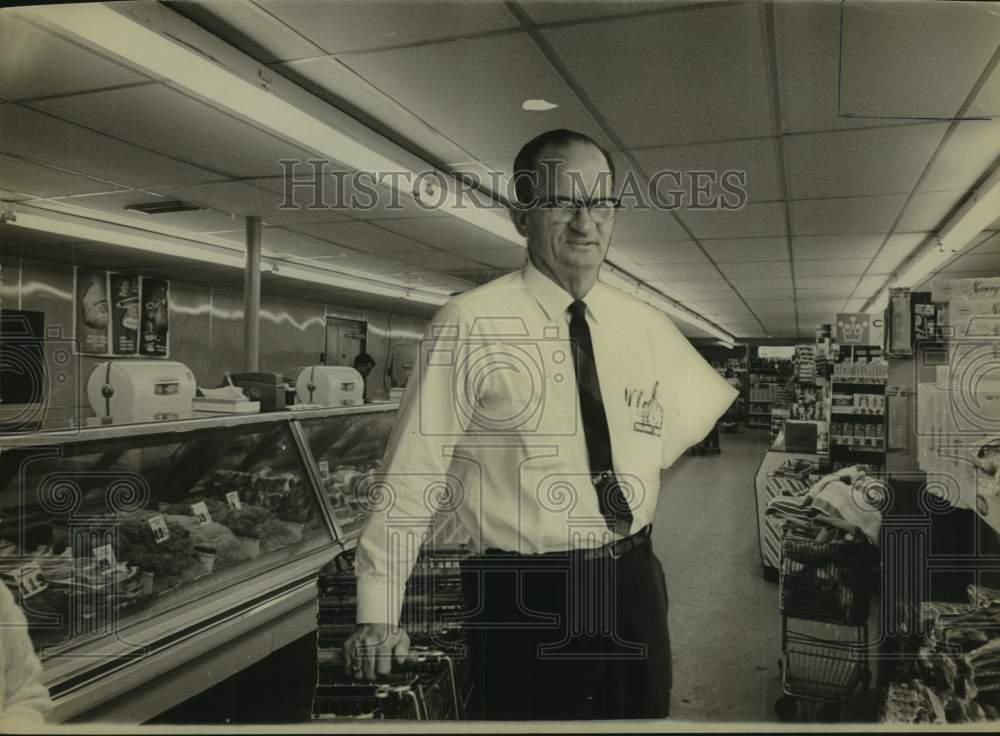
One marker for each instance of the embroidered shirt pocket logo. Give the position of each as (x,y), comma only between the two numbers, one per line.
(647,414)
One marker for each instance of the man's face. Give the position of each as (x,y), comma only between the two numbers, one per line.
(94,304)
(577,172)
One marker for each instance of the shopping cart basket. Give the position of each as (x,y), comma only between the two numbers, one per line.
(828,583)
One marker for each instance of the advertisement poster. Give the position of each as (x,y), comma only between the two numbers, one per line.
(154,327)
(124,302)
(92,316)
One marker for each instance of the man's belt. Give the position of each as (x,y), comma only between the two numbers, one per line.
(618,548)
(615,549)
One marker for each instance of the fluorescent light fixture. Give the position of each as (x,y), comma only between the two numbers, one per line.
(228,254)
(974,216)
(185,68)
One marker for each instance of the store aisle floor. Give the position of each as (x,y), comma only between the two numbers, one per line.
(724,621)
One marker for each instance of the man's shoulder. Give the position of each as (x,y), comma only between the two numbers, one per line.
(627,307)
(490,294)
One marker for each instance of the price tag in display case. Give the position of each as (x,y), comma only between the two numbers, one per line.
(158,525)
(233,499)
(104,556)
(200,510)
(29,579)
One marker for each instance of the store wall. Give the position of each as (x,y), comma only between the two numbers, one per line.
(206,332)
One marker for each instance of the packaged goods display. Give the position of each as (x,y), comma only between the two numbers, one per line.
(953,677)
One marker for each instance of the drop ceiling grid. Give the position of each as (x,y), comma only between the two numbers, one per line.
(953,126)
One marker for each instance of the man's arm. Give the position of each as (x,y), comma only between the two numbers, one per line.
(402,508)
(698,396)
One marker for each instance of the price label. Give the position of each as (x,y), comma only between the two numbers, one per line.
(158,525)
(200,510)
(104,556)
(29,579)
(233,498)
(324,469)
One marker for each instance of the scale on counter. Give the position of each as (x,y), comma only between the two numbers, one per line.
(329,385)
(129,391)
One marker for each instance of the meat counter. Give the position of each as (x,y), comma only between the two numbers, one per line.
(154,560)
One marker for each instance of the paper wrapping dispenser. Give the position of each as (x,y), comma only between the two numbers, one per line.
(127,391)
(329,385)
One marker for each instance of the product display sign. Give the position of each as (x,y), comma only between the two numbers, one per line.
(91,314)
(155,318)
(124,307)
(120,315)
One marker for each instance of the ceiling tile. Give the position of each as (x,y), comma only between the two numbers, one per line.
(847,216)
(670,251)
(819,293)
(448,233)
(754,220)
(362,24)
(901,245)
(560,11)
(37,136)
(914,59)
(161,119)
(813,306)
(843,283)
(928,211)
(756,269)
(241,198)
(987,102)
(42,181)
(859,162)
(646,225)
(428,259)
(852,267)
(761,295)
(35,63)
(361,236)
(718,287)
(672,272)
(869,286)
(966,157)
(458,89)
(696,76)
(198,221)
(825,247)
(752,161)
(744,285)
(347,194)
(808,49)
(855,305)
(747,249)
(249,28)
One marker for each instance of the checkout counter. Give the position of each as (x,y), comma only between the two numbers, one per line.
(156,559)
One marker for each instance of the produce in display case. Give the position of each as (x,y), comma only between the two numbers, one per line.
(101,535)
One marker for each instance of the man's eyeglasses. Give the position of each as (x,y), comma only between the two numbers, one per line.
(601,211)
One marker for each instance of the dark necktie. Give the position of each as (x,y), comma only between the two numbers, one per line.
(613,504)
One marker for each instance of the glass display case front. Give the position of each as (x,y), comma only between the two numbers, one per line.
(97,536)
(348,449)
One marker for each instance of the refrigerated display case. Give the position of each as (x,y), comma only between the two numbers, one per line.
(154,560)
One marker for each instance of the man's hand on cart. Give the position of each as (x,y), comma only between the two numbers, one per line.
(370,650)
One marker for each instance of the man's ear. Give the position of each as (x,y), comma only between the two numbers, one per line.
(519,216)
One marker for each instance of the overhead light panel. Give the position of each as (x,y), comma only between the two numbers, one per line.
(162,208)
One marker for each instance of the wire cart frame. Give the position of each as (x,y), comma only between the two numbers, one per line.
(828,583)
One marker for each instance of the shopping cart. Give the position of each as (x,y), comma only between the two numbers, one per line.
(425,689)
(827,583)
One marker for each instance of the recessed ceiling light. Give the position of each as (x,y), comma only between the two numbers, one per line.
(538,105)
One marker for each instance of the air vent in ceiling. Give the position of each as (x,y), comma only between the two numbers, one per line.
(162,208)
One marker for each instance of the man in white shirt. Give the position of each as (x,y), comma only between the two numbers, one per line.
(543,406)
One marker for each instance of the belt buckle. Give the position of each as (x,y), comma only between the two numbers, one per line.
(620,543)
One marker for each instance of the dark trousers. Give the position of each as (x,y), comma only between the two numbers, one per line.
(563,637)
